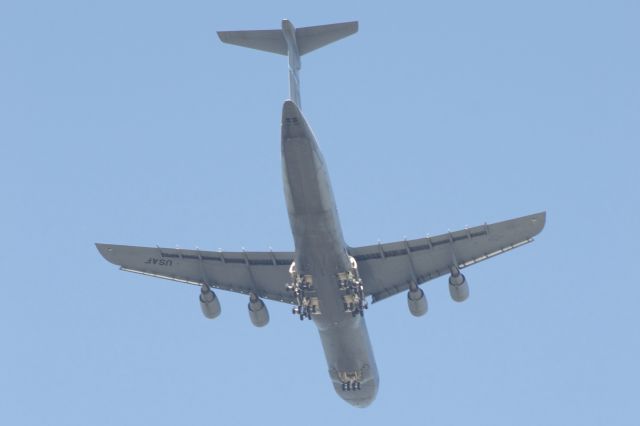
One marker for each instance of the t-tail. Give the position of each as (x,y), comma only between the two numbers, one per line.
(291,41)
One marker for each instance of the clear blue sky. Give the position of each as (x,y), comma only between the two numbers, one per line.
(129,122)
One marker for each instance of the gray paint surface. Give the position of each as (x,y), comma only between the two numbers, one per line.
(320,250)
(322,253)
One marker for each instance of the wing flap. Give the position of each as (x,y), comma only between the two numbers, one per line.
(390,268)
(264,273)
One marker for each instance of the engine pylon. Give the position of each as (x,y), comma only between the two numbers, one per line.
(458,286)
(258,312)
(417,301)
(209,302)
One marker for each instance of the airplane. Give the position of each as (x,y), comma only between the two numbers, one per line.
(324,279)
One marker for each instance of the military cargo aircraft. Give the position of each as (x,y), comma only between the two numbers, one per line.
(324,279)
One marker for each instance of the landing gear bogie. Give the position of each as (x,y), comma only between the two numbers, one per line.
(354,300)
(301,286)
(351,386)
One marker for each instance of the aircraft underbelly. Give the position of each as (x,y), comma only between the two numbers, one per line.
(312,214)
(349,356)
(321,253)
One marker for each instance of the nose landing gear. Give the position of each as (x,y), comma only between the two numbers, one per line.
(351,386)
(350,380)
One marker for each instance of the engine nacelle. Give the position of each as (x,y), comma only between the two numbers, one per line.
(258,311)
(209,302)
(458,287)
(417,302)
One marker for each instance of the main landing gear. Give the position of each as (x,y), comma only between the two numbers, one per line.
(353,297)
(300,286)
(305,311)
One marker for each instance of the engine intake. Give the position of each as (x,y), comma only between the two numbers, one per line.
(417,301)
(458,287)
(258,311)
(209,302)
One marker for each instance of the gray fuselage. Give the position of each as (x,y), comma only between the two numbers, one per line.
(322,254)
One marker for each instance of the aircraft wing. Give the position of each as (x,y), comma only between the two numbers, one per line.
(263,273)
(387,269)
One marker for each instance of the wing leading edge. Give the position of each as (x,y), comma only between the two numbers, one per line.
(387,269)
(262,273)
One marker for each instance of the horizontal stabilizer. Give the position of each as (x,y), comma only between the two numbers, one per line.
(312,38)
(291,41)
(267,40)
(308,39)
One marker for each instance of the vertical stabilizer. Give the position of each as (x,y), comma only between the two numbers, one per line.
(289,33)
(291,41)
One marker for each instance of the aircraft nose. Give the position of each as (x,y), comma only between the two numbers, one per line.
(360,398)
(360,402)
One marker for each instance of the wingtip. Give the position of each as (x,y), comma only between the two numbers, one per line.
(539,220)
(222,35)
(106,251)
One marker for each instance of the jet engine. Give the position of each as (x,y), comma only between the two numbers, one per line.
(417,301)
(258,311)
(458,287)
(209,302)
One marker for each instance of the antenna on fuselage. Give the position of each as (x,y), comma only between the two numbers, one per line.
(291,41)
